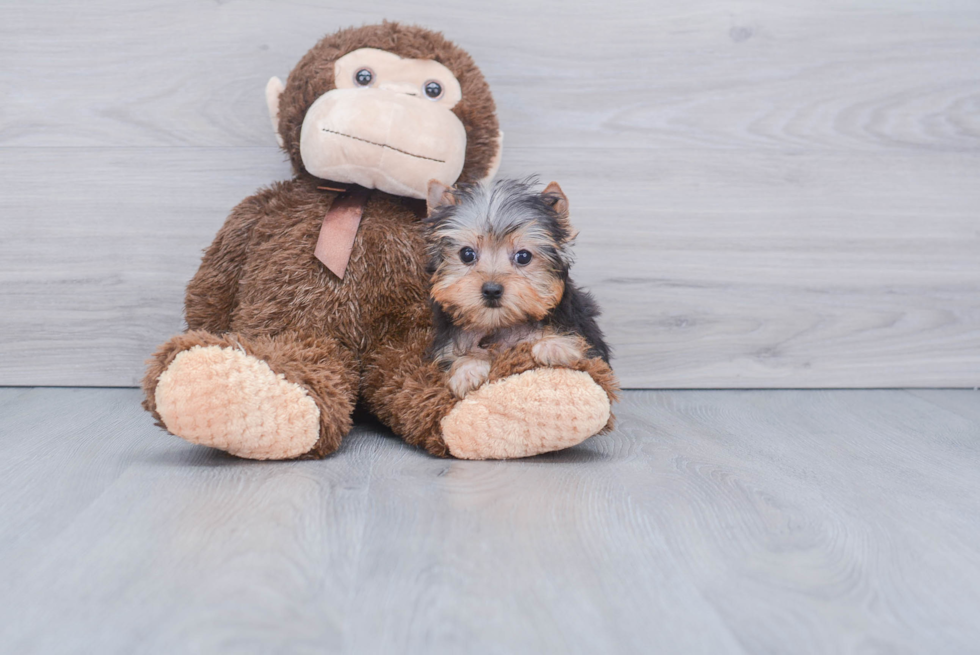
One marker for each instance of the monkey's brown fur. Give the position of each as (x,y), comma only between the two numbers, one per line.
(260,288)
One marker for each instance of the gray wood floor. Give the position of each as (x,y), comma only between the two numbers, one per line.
(709,521)
(770,193)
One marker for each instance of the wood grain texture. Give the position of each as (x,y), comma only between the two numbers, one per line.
(709,521)
(769,194)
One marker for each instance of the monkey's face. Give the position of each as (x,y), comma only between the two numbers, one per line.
(388,107)
(387,125)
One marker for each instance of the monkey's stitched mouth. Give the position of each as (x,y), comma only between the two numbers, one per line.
(384,145)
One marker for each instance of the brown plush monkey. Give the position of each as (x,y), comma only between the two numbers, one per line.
(314,293)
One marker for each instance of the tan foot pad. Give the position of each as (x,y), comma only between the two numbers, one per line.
(537,411)
(224,398)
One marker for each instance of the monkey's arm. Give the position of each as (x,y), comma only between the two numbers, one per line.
(211,294)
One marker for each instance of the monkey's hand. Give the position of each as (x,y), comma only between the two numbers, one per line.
(558,350)
(468,373)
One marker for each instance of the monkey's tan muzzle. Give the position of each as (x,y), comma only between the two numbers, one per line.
(382,140)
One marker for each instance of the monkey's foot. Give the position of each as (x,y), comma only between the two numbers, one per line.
(537,411)
(224,398)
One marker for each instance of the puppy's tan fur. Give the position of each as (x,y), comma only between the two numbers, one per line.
(531,291)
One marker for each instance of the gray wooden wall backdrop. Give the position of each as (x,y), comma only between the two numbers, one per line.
(770,193)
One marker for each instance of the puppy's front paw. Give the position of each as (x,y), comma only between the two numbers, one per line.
(558,351)
(468,373)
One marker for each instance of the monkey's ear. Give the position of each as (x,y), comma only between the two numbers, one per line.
(273,90)
(556,198)
(495,162)
(439,195)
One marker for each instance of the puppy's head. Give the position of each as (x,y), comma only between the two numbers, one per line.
(499,255)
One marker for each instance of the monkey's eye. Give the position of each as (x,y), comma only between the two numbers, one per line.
(467,255)
(433,89)
(363,77)
(522,258)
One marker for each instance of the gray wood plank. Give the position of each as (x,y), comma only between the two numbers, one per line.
(776,291)
(93,270)
(709,521)
(736,73)
(965,402)
(538,556)
(797,512)
(151,562)
(88,444)
(770,194)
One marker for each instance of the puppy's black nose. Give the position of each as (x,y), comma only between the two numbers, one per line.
(492,290)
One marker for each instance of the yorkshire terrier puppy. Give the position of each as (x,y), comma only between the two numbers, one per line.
(499,260)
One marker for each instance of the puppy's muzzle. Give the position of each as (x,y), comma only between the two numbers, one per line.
(492,292)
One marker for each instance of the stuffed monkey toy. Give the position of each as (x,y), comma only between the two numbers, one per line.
(313,295)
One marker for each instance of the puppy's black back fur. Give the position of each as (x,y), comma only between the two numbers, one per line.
(443,329)
(576,314)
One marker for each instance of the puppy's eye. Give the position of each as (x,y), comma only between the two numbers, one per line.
(432,89)
(522,258)
(363,77)
(467,255)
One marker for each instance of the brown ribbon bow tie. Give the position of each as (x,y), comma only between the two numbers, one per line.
(339,228)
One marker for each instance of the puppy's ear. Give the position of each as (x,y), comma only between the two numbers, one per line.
(439,195)
(557,200)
